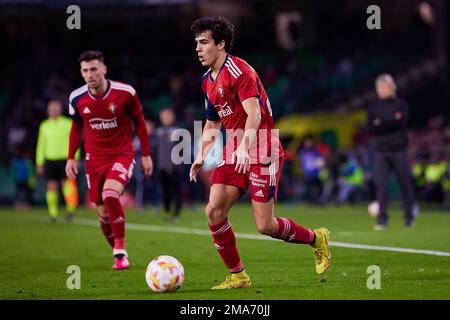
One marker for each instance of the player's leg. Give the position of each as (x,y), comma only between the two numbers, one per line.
(112,189)
(105,224)
(70,192)
(264,183)
(221,198)
(289,231)
(165,188)
(402,173)
(117,176)
(381,176)
(176,178)
(279,228)
(51,194)
(95,181)
(52,198)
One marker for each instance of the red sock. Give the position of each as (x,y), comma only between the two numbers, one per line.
(225,243)
(116,216)
(107,230)
(289,231)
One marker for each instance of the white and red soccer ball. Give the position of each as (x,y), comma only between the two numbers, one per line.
(164,274)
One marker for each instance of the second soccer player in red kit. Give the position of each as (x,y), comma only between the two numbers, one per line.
(106,110)
(236,99)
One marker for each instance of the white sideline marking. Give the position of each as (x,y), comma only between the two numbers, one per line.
(154,228)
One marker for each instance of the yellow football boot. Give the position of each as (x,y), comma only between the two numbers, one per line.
(235,281)
(322,254)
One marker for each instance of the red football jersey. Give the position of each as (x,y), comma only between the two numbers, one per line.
(236,82)
(107,120)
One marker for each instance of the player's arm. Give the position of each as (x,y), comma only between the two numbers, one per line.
(74,144)
(247,90)
(76,132)
(40,157)
(209,136)
(141,131)
(253,111)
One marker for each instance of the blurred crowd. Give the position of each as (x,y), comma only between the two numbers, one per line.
(302,80)
(324,174)
(315,171)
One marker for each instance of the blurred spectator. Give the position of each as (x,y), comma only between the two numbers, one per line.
(434,175)
(25,180)
(17,136)
(311,163)
(147,187)
(387,121)
(351,180)
(169,173)
(51,156)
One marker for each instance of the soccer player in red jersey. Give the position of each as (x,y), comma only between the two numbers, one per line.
(253,155)
(106,110)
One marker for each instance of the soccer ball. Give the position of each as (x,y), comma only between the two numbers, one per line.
(374,208)
(164,274)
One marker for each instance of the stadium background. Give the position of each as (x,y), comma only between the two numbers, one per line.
(317,60)
(319,72)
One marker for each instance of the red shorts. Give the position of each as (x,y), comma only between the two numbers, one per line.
(262,179)
(99,170)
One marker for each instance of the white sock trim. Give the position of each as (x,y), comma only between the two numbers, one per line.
(120,251)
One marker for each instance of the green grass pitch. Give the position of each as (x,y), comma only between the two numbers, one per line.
(36,254)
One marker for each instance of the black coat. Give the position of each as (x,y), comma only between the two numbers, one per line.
(387,122)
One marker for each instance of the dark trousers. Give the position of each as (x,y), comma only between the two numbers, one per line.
(171,190)
(24,193)
(384,162)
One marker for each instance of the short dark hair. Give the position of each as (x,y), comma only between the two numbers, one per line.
(220,27)
(90,55)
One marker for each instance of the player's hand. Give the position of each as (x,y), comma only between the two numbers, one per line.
(147,166)
(39,170)
(398,115)
(195,168)
(242,160)
(72,169)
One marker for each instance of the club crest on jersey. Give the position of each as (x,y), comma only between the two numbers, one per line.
(112,107)
(221,91)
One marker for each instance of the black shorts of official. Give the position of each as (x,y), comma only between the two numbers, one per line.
(55,170)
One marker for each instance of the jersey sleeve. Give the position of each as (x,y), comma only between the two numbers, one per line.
(40,157)
(137,114)
(246,86)
(73,111)
(210,111)
(76,132)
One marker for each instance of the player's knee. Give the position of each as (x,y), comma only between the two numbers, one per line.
(110,194)
(52,185)
(101,212)
(266,227)
(214,213)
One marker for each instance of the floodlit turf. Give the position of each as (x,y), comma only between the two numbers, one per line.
(36,254)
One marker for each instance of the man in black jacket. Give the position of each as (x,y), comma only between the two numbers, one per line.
(387,121)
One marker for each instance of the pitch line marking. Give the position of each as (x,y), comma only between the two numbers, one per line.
(184,230)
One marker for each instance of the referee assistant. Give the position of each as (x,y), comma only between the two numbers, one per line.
(51,155)
(387,121)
